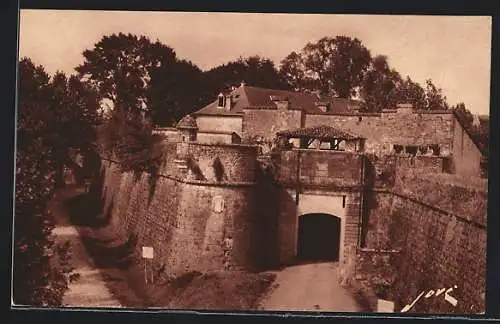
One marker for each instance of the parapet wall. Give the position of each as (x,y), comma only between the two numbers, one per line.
(235,162)
(382,171)
(392,127)
(320,168)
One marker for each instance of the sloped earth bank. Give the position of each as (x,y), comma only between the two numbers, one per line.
(110,277)
(309,287)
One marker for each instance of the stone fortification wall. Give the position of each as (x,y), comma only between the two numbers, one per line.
(428,232)
(191,224)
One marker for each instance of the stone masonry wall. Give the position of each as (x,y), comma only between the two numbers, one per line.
(384,130)
(323,174)
(266,123)
(288,221)
(468,155)
(439,228)
(219,124)
(321,168)
(197,225)
(237,162)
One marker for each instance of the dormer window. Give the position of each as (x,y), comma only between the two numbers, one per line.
(281,103)
(323,106)
(220,101)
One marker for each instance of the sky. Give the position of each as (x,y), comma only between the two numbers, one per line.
(453,51)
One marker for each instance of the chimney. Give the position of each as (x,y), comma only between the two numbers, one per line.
(282,103)
(404,108)
(229,102)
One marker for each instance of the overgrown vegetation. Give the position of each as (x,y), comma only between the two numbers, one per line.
(56,116)
(113,251)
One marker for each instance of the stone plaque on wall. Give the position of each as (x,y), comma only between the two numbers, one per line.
(218,204)
(147,252)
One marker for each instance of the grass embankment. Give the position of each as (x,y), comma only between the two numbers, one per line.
(114,255)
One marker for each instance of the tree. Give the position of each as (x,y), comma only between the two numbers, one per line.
(41,269)
(259,71)
(429,98)
(434,98)
(332,66)
(253,70)
(379,85)
(136,74)
(142,80)
(175,91)
(411,92)
(464,115)
(293,70)
(119,67)
(73,118)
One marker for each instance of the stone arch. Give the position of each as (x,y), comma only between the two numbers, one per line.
(332,204)
(318,237)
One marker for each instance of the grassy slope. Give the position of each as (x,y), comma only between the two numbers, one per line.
(125,278)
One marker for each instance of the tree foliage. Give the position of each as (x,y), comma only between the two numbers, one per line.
(332,66)
(144,81)
(41,269)
(253,70)
(434,97)
(134,73)
(71,126)
(175,91)
(379,86)
(119,67)
(129,139)
(479,131)
(411,92)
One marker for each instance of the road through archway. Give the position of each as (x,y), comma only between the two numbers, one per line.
(318,237)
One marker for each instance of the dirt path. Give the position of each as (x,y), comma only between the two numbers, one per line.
(90,289)
(309,287)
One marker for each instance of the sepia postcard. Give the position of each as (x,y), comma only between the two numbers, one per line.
(316,163)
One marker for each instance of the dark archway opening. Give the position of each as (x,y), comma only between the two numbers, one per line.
(319,237)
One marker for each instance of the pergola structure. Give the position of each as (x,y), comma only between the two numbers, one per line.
(336,139)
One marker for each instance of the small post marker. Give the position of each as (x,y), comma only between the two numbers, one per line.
(385,306)
(147,253)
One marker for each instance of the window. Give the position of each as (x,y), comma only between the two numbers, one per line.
(398,149)
(436,150)
(423,149)
(412,150)
(220,103)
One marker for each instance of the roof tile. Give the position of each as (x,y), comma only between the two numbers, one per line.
(319,132)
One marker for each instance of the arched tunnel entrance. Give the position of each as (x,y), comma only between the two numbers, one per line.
(318,237)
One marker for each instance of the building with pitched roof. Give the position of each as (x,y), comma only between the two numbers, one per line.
(249,114)
(227,113)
